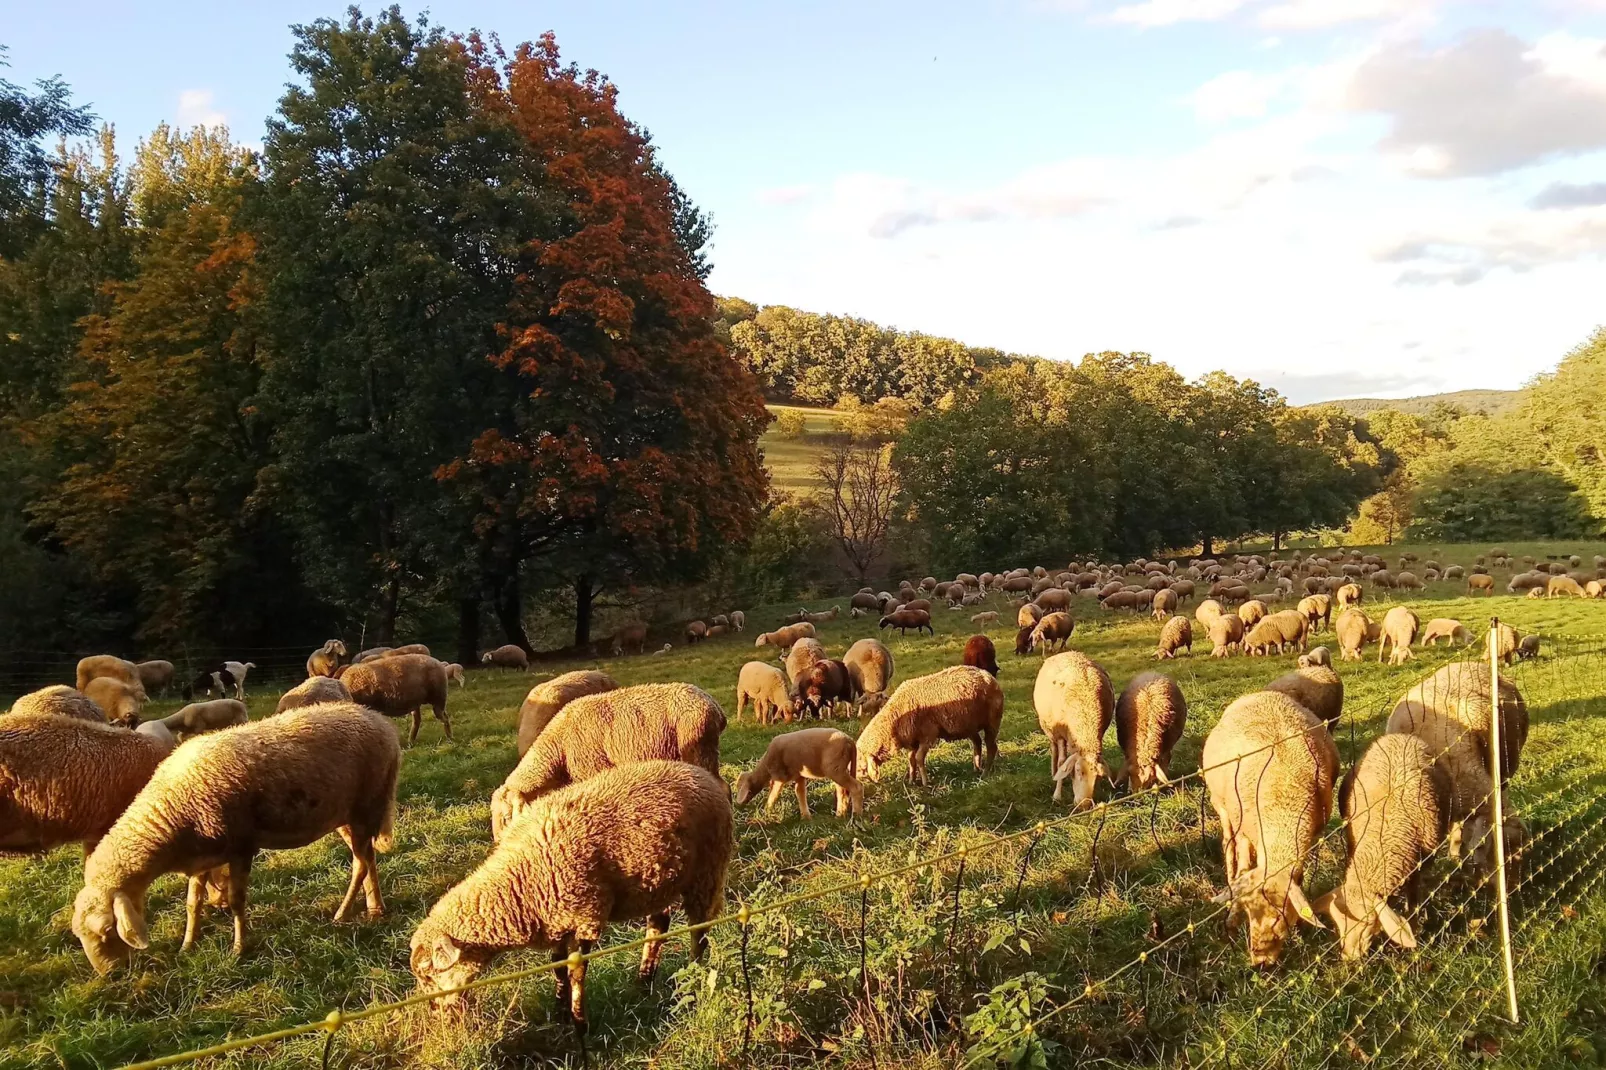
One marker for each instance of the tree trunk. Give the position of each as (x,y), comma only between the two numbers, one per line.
(510,612)
(388,610)
(468,630)
(584,594)
(1204,551)
(1276,541)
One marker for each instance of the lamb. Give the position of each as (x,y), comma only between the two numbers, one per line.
(1074,703)
(738,620)
(783,638)
(400,686)
(1029,615)
(796,758)
(1595,589)
(594,733)
(904,619)
(102,666)
(454,671)
(960,702)
(830,614)
(1353,629)
(326,659)
(155,676)
(223,797)
(984,619)
(543,701)
(61,700)
(312,691)
(1396,802)
(1446,628)
(1399,629)
(631,842)
(1270,770)
(1053,628)
(68,779)
(870,667)
(199,717)
(1317,655)
(509,656)
(1150,717)
(980,653)
(1226,631)
(824,685)
(1175,634)
(1315,687)
(1318,610)
(766,687)
(1528,648)
(119,702)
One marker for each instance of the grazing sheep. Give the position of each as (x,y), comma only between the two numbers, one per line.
(783,638)
(543,701)
(400,686)
(824,685)
(1318,610)
(1454,572)
(632,842)
(981,654)
(594,733)
(904,619)
(1054,600)
(738,620)
(1595,589)
(1053,628)
(1396,802)
(922,605)
(983,619)
(1252,612)
(766,687)
(1446,628)
(798,757)
(864,600)
(199,717)
(1165,603)
(510,656)
(119,702)
(406,648)
(1399,630)
(1353,629)
(631,637)
(1120,600)
(1407,581)
(696,631)
(155,676)
(1074,703)
(313,691)
(1264,638)
(326,659)
(1505,643)
(870,667)
(1175,634)
(1317,655)
(1206,612)
(1270,771)
(1349,594)
(454,671)
(1150,716)
(960,702)
(1528,648)
(278,783)
(206,681)
(68,779)
(1563,585)
(1315,687)
(61,700)
(803,655)
(104,666)
(1292,627)
(1226,631)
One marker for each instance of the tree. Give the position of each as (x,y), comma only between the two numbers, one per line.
(1567,412)
(858,490)
(26,120)
(1466,503)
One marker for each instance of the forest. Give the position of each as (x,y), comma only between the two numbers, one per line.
(441,359)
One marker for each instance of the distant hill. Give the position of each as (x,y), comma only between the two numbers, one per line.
(1488,402)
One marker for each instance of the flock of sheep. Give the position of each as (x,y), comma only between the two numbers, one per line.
(616,809)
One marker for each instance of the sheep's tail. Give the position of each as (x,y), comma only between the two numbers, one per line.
(385,839)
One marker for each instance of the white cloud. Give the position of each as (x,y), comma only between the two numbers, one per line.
(1235,95)
(1467,253)
(1277,14)
(783,195)
(1153,13)
(195,108)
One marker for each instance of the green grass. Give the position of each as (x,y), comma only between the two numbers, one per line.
(791,461)
(1172,1009)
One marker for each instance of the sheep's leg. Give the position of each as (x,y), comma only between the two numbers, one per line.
(802,787)
(991,739)
(560,954)
(577,992)
(856,798)
(657,925)
(775,793)
(975,752)
(192,909)
(239,877)
(444,718)
(418,720)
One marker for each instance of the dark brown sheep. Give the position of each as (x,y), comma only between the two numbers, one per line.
(980,653)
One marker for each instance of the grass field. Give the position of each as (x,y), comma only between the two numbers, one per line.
(1009,958)
(791,460)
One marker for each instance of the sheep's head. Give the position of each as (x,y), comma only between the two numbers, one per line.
(1083,772)
(875,746)
(505,806)
(1358,923)
(1271,905)
(746,789)
(110,925)
(871,703)
(441,963)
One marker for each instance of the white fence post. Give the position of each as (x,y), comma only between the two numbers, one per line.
(1499,816)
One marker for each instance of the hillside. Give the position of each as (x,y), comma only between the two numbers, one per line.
(1488,402)
(791,460)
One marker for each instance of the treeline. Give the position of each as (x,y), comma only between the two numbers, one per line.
(443,349)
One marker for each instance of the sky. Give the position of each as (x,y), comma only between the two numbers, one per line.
(1334,197)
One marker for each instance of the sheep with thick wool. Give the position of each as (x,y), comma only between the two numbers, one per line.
(1354,629)
(766,688)
(632,842)
(1150,716)
(1075,704)
(673,722)
(961,702)
(1317,688)
(1054,628)
(220,798)
(119,702)
(1446,628)
(61,700)
(67,779)
(402,685)
(783,638)
(108,666)
(796,758)
(870,666)
(1399,630)
(543,701)
(1270,769)
(155,676)
(313,691)
(199,717)
(508,656)
(801,658)
(1175,634)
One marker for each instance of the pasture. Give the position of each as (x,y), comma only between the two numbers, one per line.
(1021,936)
(791,461)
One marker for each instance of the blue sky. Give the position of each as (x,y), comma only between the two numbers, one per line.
(1336,197)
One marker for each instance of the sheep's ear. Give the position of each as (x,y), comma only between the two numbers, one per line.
(1301,905)
(1117,778)
(1396,927)
(130,921)
(443,953)
(1159,774)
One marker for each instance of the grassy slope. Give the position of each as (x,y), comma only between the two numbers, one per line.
(790,460)
(53,1011)
(1490,402)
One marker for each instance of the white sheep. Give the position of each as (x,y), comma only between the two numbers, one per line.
(961,702)
(796,758)
(765,686)
(1075,704)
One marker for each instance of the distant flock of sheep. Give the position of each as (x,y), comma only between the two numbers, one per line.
(616,810)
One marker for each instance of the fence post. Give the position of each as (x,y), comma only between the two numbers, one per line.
(1500,817)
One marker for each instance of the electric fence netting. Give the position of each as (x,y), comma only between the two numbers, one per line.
(1098,934)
